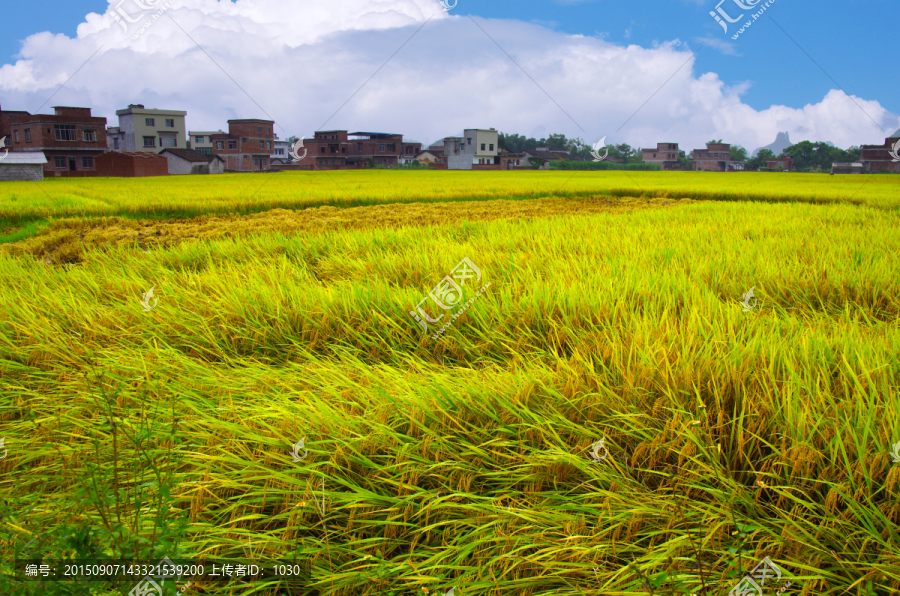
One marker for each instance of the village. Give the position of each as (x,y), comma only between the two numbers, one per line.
(72,142)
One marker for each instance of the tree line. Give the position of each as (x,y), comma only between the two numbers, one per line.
(808,156)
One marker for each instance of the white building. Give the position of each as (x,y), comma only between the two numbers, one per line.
(477,146)
(152,131)
(188,161)
(201,140)
(22,165)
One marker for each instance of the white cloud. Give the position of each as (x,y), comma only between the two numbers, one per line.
(301,61)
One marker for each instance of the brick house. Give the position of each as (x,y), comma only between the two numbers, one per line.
(132,164)
(878,158)
(338,149)
(547,155)
(247,147)
(715,158)
(512,161)
(71,139)
(785,162)
(665,156)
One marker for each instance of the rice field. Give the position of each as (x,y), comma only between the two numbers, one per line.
(140,427)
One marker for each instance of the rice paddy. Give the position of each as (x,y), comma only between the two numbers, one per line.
(140,427)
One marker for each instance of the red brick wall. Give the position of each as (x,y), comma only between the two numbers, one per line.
(43,133)
(130,165)
(250,130)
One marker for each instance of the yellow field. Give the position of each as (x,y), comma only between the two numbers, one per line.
(464,462)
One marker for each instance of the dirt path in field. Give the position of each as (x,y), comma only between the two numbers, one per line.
(66,240)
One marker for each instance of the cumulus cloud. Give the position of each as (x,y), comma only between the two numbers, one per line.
(404,66)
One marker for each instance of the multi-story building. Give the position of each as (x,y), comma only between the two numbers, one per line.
(281,150)
(665,156)
(715,158)
(338,149)
(477,146)
(70,139)
(201,140)
(879,158)
(5,130)
(247,147)
(141,129)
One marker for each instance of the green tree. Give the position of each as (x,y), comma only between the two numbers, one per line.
(714,142)
(738,154)
(760,160)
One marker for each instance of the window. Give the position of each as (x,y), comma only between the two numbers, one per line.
(259,129)
(27,135)
(715,155)
(232,144)
(115,143)
(492,146)
(16,135)
(654,155)
(391,147)
(381,147)
(89,136)
(268,144)
(59,162)
(220,145)
(8,143)
(270,130)
(149,141)
(87,162)
(150,122)
(343,150)
(170,123)
(470,140)
(198,139)
(262,145)
(322,149)
(482,146)
(65,132)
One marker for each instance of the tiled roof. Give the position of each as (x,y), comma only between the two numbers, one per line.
(191,155)
(23,157)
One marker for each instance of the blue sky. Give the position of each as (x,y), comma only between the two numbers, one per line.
(793,56)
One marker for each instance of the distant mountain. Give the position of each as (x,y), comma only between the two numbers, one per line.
(782,142)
